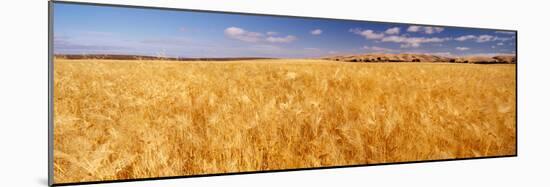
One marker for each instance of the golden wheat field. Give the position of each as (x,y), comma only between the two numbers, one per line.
(123,119)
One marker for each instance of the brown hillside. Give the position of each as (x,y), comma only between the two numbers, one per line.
(424,58)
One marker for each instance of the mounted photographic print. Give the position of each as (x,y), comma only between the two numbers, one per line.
(141,93)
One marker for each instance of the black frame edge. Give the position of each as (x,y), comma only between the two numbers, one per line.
(275,171)
(517,93)
(50,93)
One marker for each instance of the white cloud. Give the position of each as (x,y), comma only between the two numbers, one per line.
(462,48)
(413,28)
(243,35)
(316,32)
(396,39)
(248,36)
(378,49)
(503,39)
(394,30)
(312,49)
(425,29)
(404,40)
(286,39)
(465,37)
(484,38)
(492,54)
(368,34)
(500,43)
(431,30)
(412,41)
(505,32)
(480,38)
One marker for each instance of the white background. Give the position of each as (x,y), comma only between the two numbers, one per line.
(23,94)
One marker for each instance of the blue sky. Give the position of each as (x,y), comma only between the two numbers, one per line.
(85,29)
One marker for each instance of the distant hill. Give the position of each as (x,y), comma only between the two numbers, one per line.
(502,59)
(424,58)
(141,57)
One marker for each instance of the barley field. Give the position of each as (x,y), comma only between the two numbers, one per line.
(124,119)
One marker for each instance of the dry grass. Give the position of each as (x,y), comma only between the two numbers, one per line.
(139,119)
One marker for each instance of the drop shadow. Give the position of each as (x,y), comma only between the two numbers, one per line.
(42,181)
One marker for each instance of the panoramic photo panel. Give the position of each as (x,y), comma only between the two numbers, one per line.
(143,93)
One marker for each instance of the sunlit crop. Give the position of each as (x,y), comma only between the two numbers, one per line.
(127,119)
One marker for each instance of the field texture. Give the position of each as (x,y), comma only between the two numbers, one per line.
(116,119)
